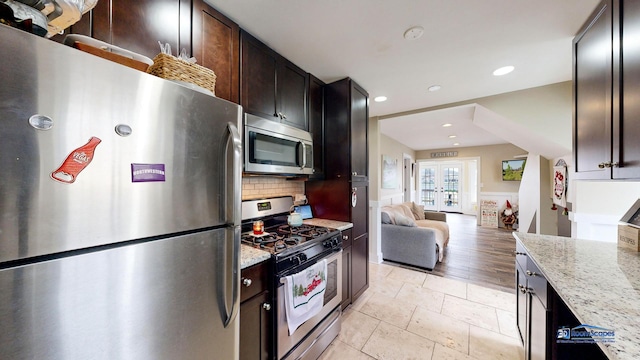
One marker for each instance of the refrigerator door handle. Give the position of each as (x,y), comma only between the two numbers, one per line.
(232,203)
(229,276)
(232,178)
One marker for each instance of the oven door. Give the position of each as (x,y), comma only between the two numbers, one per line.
(332,299)
(274,148)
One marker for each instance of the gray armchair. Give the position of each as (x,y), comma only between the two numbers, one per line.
(414,242)
(409,245)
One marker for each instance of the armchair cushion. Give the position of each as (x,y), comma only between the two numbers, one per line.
(416,210)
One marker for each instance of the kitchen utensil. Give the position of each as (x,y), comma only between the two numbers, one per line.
(294,219)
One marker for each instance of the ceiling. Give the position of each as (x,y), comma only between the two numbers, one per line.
(464,41)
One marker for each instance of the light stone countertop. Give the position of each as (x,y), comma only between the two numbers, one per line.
(598,281)
(250,256)
(334,224)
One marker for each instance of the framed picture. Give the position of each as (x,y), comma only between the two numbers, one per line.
(389,172)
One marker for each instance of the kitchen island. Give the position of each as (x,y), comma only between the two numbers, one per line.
(598,282)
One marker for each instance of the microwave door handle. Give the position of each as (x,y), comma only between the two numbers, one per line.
(304,156)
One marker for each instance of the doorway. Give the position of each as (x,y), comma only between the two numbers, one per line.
(448,186)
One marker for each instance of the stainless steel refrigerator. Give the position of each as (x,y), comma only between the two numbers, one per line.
(119,210)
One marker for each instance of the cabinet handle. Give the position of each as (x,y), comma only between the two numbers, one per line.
(266,306)
(345,237)
(246,282)
(355,173)
(608,164)
(531,273)
(522,288)
(520,253)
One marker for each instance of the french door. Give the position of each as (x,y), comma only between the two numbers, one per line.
(439,186)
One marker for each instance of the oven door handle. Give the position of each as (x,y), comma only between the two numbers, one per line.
(337,252)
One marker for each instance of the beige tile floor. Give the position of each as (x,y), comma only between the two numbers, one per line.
(407,314)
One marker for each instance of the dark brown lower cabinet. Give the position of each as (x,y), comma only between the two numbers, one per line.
(346,268)
(359,266)
(256,314)
(541,313)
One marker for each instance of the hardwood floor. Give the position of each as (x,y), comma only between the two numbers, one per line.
(479,255)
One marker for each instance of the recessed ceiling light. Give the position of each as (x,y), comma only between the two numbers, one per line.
(447,125)
(452,136)
(413,32)
(503,70)
(456,144)
(380,98)
(434,88)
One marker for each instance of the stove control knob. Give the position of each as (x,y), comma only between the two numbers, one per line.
(327,244)
(303,257)
(335,241)
(296,260)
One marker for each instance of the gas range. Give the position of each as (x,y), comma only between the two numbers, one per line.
(294,249)
(290,246)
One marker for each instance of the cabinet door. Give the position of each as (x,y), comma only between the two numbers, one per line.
(359,266)
(538,347)
(593,82)
(346,277)
(626,147)
(359,125)
(139,25)
(521,304)
(216,45)
(255,325)
(258,78)
(292,83)
(316,124)
(360,212)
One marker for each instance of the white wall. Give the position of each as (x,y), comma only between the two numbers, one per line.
(375,252)
(398,151)
(599,205)
(535,198)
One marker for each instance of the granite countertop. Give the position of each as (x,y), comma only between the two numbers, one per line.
(250,256)
(598,281)
(334,224)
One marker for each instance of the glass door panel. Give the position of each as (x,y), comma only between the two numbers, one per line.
(450,188)
(428,191)
(439,186)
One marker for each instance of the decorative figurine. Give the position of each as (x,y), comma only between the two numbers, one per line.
(509,217)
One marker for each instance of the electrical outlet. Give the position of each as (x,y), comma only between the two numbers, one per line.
(300,199)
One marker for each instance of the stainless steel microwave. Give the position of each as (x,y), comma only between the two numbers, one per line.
(274,148)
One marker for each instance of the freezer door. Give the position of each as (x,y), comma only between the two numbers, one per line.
(168,158)
(164,299)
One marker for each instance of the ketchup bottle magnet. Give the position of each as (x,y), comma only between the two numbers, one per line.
(77,160)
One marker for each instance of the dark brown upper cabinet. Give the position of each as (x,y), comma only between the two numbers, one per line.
(606,69)
(347,122)
(272,87)
(626,127)
(593,95)
(316,124)
(139,25)
(216,45)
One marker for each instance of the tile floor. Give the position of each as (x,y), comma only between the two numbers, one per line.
(407,314)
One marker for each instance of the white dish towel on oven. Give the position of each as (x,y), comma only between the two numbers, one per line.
(304,294)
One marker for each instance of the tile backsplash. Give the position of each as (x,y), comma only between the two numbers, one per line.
(257,187)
